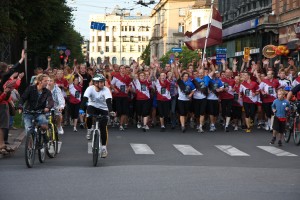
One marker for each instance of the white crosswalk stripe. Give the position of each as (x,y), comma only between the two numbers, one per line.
(230,150)
(276,151)
(187,150)
(141,149)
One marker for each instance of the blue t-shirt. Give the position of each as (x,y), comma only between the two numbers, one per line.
(279,106)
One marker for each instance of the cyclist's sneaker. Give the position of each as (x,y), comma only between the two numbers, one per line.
(162,129)
(236,128)
(248,130)
(200,130)
(104,153)
(226,129)
(183,129)
(267,128)
(273,140)
(146,127)
(81,125)
(279,143)
(121,128)
(75,129)
(139,125)
(88,135)
(60,130)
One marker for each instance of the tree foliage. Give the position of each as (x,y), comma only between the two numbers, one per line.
(146,55)
(185,57)
(45,24)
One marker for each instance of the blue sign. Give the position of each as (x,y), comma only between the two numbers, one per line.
(220,54)
(171,60)
(63,48)
(98,26)
(176,49)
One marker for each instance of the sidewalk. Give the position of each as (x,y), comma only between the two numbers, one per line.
(15,139)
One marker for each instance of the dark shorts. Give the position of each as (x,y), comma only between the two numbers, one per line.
(236,112)
(122,106)
(199,107)
(74,110)
(164,108)
(250,110)
(267,107)
(226,105)
(143,107)
(183,107)
(212,107)
(279,126)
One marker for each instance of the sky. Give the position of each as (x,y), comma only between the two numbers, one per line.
(84,8)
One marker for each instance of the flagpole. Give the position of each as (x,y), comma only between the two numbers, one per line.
(208,30)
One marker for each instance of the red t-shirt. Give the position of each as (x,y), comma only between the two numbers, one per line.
(228,83)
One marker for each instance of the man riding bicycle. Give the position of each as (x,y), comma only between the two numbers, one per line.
(37,98)
(99,102)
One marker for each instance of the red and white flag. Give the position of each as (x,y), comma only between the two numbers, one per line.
(196,40)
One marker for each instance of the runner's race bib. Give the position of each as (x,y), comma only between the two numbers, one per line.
(247,92)
(143,87)
(122,88)
(163,90)
(236,97)
(77,94)
(270,90)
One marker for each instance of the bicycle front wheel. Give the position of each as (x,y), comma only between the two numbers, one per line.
(41,148)
(288,130)
(29,150)
(297,131)
(95,149)
(52,145)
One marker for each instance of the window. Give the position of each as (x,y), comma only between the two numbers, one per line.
(181,27)
(130,60)
(125,28)
(139,48)
(107,28)
(147,38)
(114,49)
(114,39)
(129,28)
(123,48)
(180,43)
(123,61)
(143,38)
(140,38)
(254,5)
(107,49)
(181,12)
(114,28)
(107,38)
(99,48)
(133,28)
(131,48)
(122,28)
(198,21)
(99,60)
(99,39)
(131,38)
(114,60)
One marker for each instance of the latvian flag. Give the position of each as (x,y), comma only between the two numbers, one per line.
(196,40)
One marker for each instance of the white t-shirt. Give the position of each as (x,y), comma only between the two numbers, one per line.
(97,99)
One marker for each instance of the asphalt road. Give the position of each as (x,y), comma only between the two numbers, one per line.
(156,165)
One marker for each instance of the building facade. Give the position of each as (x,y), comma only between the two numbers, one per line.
(247,23)
(168,28)
(124,39)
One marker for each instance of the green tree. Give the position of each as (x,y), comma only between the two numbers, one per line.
(146,55)
(185,57)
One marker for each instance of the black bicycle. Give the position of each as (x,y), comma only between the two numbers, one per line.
(34,141)
(293,124)
(96,139)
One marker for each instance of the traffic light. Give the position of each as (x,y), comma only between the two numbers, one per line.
(61,57)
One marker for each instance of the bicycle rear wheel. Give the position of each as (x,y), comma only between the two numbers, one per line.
(52,145)
(41,149)
(95,149)
(288,130)
(297,131)
(29,150)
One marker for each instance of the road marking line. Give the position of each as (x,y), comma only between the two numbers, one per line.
(276,151)
(230,150)
(187,150)
(141,149)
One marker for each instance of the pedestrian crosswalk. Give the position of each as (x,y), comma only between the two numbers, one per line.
(189,150)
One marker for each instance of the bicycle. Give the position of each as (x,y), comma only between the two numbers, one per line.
(96,137)
(293,124)
(34,141)
(52,134)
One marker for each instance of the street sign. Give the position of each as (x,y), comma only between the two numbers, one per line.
(63,48)
(98,26)
(68,52)
(171,60)
(176,49)
(172,56)
(176,54)
(220,54)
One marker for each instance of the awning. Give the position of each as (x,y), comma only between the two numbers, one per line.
(294,44)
